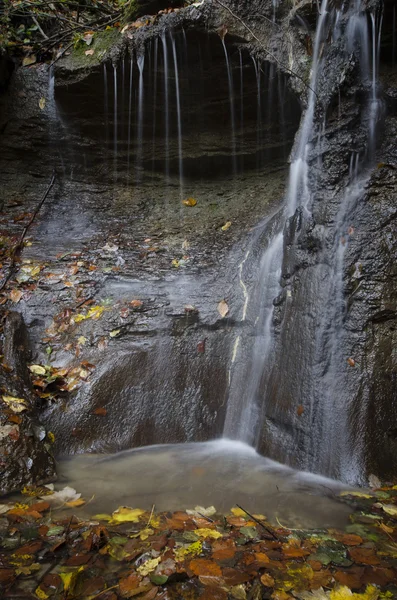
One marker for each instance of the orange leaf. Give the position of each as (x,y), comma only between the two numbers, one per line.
(202,566)
(267,580)
(101,411)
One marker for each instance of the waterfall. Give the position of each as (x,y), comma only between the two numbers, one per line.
(141,64)
(245,413)
(129,117)
(115,128)
(232,110)
(248,389)
(179,116)
(166,109)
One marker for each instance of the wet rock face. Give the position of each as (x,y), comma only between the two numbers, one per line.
(24,445)
(117,203)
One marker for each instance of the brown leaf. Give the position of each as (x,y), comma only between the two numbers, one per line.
(365,556)
(300,410)
(223,549)
(101,411)
(351,362)
(202,566)
(136,303)
(201,346)
(267,580)
(348,539)
(16,295)
(127,585)
(40,506)
(352,578)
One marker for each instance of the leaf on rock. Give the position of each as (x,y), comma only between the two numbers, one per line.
(267,580)
(17,405)
(226,226)
(223,308)
(16,295)
(89,52)
(29,60)
(189,202)
(37,369)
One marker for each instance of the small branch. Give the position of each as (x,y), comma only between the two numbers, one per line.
(35,21)
(61,54)
(19,245)
(280,64)
(259,522)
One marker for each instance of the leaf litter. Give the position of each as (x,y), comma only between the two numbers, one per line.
(51,552)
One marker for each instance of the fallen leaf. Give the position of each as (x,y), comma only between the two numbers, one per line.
(17,405)
(42,103)
(101,411)
(89,52)
(148,566)
(300,410)
(267,580)
(136,303)
(68,494)
(114,333)
(16,295)
(223,308)
(202,566)
(226,226)
(29,60)
(37,369)
(351,362)
(127,514)
(390,509)
(189,202)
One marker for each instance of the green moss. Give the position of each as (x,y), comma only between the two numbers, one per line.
(101,44)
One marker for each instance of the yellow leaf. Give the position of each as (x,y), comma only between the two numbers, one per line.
(191,550)
(226,226)
(208,533)
(189,202)
(102,517)
(148,566)
(114,333)
(74,503)
(145,533)
(385,528)
(238,512)
(17,405)
(82,340)
(51,437)
(344,593)
(357,494)
(41,594)
(29,60)
(69,579)
(126,514)
(37,369)
(42,103)
(95,312)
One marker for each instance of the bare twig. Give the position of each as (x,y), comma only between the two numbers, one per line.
(272,56)
(35,21)
(19,245)
(259,522)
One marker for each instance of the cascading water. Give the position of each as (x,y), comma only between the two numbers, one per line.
(232,108)
(248,392)
(242,420)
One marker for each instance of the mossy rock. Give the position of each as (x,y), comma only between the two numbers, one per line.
(137,8)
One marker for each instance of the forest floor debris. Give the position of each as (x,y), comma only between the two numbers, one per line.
(193,554)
